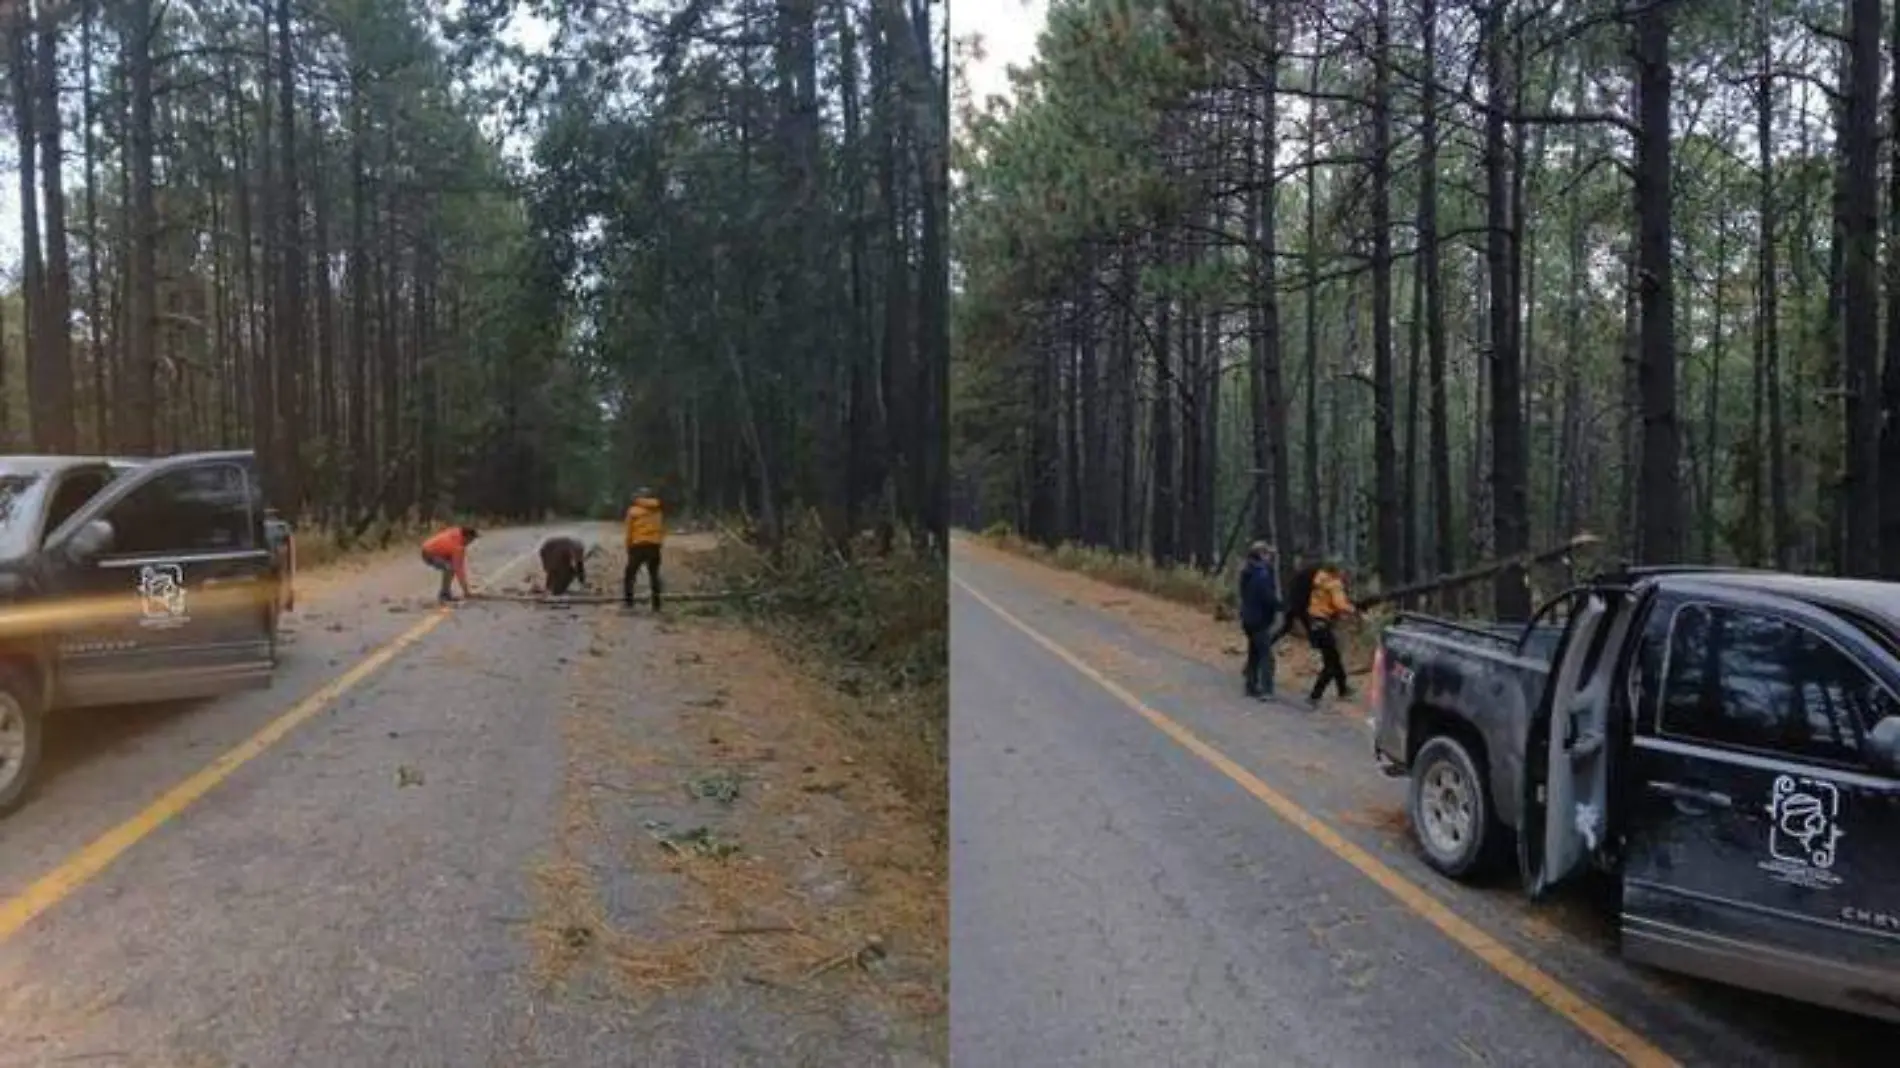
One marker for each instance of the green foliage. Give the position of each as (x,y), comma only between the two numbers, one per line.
(1123,155)
(752,273)
(875,628)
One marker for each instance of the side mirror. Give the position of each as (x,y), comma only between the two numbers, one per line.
(90,542)
(1883,744)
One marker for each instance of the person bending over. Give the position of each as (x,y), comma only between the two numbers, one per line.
(564,562)
(447,551)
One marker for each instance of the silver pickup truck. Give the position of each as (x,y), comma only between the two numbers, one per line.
(1726,743)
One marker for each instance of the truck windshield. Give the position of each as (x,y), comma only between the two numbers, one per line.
(19,492)
(13,489)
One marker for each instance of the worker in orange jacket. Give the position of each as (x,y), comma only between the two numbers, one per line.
(1328,607)
(447,551)
(646,531)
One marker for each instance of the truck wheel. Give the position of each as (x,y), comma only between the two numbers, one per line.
(21,731)
(1451,809)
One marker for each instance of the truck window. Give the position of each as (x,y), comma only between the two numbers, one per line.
(13,489)
(76,490)
(1750,681)
(199,509)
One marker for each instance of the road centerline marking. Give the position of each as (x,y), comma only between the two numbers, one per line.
(1633,1048)
(96,856)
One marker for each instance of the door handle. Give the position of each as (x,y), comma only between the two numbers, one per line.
(1690,797)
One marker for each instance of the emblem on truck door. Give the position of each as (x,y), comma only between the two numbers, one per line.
(162,595)
(1804,825)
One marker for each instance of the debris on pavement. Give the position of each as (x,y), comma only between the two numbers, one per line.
(722,786)
(701,840)
(709,880)
(408,776)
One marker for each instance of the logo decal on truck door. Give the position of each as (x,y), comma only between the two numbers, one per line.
(162,595)
(1804,825)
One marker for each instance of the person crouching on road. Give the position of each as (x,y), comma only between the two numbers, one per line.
(447,552)
(564,562)
(1327,608)
(1259,610)
(646,530)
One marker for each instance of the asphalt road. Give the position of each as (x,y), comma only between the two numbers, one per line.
(312,908)
(1118,899)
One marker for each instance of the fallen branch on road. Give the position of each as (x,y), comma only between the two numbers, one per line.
(608,599)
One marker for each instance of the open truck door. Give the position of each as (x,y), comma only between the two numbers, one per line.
(1566,760)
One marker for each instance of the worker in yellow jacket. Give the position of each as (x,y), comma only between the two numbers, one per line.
(646,530)
(1327,607)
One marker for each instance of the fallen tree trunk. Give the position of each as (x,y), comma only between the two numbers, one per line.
(609,599)
(1479,573)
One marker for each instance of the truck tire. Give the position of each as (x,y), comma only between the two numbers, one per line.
(22,730)
(1451,809)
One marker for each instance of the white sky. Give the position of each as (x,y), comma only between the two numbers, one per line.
(1008,30)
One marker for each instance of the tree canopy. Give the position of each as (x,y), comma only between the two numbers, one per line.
(421,262)
(1415,285)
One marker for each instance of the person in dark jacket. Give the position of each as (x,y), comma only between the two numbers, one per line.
(564,561)
(1259,610)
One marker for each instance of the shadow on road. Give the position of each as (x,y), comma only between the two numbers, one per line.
(77,736)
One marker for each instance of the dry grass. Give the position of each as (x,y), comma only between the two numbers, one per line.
(1182,585)
(831,860)
(322,546)
(876,630)
(1175,624)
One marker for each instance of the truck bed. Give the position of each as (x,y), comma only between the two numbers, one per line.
(1473,674)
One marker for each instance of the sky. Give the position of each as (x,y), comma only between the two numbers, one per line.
(1008,29)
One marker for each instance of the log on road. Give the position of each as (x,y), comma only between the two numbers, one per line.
(609,599)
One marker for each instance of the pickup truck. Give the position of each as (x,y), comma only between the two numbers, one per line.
(1724,743)
(125,581)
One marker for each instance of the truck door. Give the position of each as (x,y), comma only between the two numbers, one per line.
(1560,742)
(1763,844)
(175,605)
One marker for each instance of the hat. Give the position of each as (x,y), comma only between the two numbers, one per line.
(1260,548)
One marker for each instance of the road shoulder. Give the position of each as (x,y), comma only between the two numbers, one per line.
(730,871)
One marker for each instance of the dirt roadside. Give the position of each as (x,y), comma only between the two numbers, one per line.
(729,860)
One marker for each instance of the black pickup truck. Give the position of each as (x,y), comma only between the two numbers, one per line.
(125,581)
(1725,743)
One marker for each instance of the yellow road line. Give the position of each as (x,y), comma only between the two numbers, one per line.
(56,885)
(1596,1023)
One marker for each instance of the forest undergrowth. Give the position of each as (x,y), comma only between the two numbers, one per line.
(873,628)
